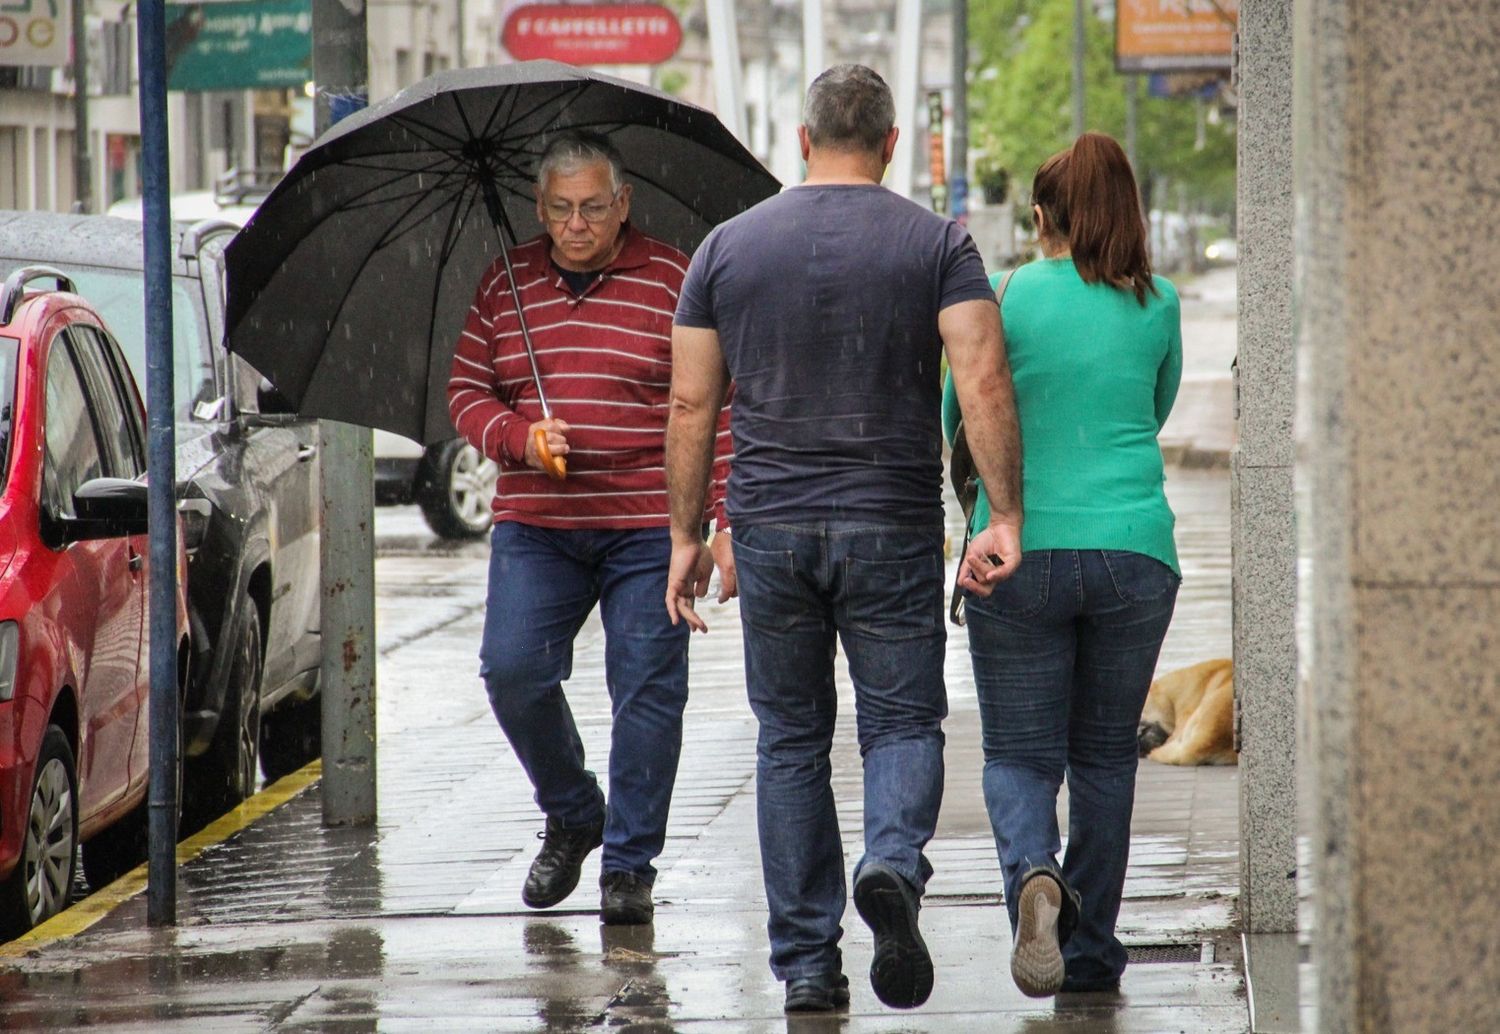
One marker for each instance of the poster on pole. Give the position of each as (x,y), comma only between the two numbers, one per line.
(35,32)
(1175,35)
(252,45)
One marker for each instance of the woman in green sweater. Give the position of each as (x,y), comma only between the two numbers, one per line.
(1065,649)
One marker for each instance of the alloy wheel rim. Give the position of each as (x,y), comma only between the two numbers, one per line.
(472,486)
(49,842)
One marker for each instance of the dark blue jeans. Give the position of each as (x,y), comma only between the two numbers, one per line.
(879,591)
(543,585)
(1064,652)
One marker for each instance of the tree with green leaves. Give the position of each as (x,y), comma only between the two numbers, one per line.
(1020,106)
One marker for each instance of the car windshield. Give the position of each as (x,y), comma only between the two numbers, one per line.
(120,297)
(10,348)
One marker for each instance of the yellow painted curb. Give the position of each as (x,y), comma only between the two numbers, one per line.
(73,921)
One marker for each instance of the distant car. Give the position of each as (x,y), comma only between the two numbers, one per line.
(74,671)
(235,196)
(1223,252)
(451,481)
(247,475)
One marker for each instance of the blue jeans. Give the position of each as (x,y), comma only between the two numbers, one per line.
(879,591)
(543,584)
(1064,652)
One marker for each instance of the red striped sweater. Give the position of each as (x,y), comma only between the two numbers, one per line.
(606,364)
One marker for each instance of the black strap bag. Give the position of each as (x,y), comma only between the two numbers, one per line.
(965,479)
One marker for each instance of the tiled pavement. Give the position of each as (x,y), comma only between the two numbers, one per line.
(417,923)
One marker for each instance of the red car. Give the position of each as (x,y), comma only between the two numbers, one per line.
(74,665)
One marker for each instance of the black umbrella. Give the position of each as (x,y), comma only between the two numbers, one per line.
(350,285)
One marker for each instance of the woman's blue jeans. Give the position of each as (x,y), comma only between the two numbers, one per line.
(1064,652)
(878,590)
(543,585)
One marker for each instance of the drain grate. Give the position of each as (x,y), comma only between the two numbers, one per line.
(1157,954)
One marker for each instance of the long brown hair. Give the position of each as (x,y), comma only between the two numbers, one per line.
(1088,195)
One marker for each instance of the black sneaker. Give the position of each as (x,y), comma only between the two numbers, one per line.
(624,899)
(554,871)
(901,972)
(823,993)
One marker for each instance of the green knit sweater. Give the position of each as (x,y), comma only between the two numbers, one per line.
(1096,374)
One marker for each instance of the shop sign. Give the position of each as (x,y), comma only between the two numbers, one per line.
(253,45)
(34,32)
(592,34)
(1175,35)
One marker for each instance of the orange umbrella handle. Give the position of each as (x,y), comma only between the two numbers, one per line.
(555,466)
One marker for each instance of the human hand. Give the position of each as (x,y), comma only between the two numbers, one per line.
(557,443)
(723,556)
(687,579)
(993,556)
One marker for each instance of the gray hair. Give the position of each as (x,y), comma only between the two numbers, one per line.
(849,108)
(574,149)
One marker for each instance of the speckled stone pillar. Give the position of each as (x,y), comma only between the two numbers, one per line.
(1264,542)
(1398,311)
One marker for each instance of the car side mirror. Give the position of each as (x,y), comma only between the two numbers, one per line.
(271,402)
(107,508)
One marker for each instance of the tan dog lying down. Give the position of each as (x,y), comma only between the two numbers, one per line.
(1189,716)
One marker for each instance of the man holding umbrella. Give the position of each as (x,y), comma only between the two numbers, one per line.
(830,306)
(581,514)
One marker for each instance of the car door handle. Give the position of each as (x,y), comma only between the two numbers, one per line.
(306,453)
(136,560)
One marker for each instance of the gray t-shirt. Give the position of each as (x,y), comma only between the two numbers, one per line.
(826,301)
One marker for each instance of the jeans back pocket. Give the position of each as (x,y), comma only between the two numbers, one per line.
(1138,578)
(894,599)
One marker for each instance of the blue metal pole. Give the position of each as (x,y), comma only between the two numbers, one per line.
(161,897)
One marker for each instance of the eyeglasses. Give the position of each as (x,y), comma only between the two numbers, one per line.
(592,211)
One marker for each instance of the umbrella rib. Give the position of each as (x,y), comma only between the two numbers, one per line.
(358,272)
(450,244)
(419,129)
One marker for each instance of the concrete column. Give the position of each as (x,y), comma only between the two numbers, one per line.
(1398,311)
(1263,534)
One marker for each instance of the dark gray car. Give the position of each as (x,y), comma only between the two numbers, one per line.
(247,484)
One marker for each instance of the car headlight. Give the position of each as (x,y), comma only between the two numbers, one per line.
(10,650)
(195,516)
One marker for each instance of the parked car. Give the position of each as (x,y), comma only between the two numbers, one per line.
(1224,251)
(451,481)
(74,569)
(247,478)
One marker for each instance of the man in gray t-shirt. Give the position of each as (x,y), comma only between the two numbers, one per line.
(829,306)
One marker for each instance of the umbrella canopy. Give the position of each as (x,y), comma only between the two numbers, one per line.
(349,286)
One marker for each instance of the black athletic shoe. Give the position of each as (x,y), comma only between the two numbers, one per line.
(901,972)
(554,872)
(624,899)
(823,993)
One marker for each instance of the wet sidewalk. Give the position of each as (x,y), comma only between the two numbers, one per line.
(417,923)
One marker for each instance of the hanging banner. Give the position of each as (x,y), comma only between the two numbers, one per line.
(936,167)
(1175,35)
(35,32)
(592,34)
(252,45)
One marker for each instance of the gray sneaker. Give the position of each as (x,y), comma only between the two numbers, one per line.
(1036,962)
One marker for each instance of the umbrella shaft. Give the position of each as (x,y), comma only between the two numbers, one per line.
(497,217)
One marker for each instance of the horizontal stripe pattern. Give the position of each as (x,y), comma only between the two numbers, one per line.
(605,358)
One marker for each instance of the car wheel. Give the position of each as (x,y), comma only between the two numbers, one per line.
(226,774)
(42,882)
(290,737)
(456,489)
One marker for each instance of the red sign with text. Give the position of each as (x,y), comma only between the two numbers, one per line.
(592,34)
